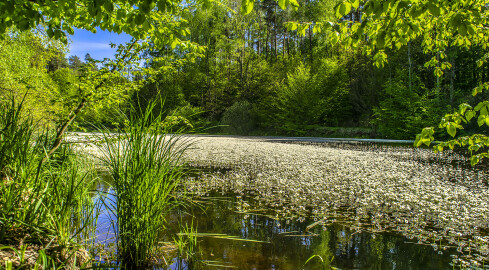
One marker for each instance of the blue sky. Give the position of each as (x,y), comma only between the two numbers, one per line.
(97,45)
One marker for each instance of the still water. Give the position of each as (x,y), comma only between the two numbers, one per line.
(289,244)
(233,233)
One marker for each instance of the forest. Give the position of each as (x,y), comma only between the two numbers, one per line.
(251,75)
(119,162)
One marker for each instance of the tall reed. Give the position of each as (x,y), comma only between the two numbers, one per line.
(145,164)
(48,201)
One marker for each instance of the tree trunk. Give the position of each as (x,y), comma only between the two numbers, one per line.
(410,68)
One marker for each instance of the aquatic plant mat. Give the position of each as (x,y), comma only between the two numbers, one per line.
(434,199)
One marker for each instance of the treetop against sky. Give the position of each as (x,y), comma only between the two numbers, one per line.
(139,19)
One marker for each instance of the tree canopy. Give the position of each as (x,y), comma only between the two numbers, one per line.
(394,23)
(377,26)
(139,18)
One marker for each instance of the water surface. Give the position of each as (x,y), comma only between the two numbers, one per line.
(289,244)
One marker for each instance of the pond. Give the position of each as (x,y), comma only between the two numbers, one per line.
(232,232)
(288,244)
(287,206)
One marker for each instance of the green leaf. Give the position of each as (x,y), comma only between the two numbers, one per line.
(476,91)
(50,32)
(483,110)
(464,107)
(479,106)
(451,129)
(246,6)
(334,38)
(355,4)
(417,142)
(293,26)
(281,4)
(380,41)
(174,44)
(438,72)
(343,9)
(316,28)
(462,29)
(434,9)
(140,18)
(481,120)
(294,3)
(109,6)
(439,148)
(24,24)
(474,160)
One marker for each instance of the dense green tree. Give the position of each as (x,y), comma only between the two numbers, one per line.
(23,59)
(443,26)
(74,62)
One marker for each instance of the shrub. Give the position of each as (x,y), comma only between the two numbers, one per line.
(238,119)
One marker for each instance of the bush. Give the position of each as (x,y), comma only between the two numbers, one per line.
(238,119)
(403,112)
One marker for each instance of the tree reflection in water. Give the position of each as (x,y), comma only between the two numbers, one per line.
(289,244)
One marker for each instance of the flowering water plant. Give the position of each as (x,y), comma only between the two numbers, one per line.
(434,198)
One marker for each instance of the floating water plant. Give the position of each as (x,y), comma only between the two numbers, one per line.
(432,197)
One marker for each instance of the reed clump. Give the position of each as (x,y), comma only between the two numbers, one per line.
(46,212)
(145,164)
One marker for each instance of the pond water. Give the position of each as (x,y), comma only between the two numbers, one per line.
(230,235)
(427,198)
(235,232)
(289,244)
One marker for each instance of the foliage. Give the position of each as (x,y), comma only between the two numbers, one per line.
(139,19)
(313,99)
(299,103)
(403,111)
(332,81)
(392,24)
(185,119)
(441,25)
(48,203)
(145,164)
(23,57)
(238,119)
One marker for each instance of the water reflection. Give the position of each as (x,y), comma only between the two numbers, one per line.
(285,244)
(288,244)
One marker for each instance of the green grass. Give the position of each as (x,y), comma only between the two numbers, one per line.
(145,164)
(46,203)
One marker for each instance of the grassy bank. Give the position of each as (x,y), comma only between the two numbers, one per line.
(49,206)
(47,215)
